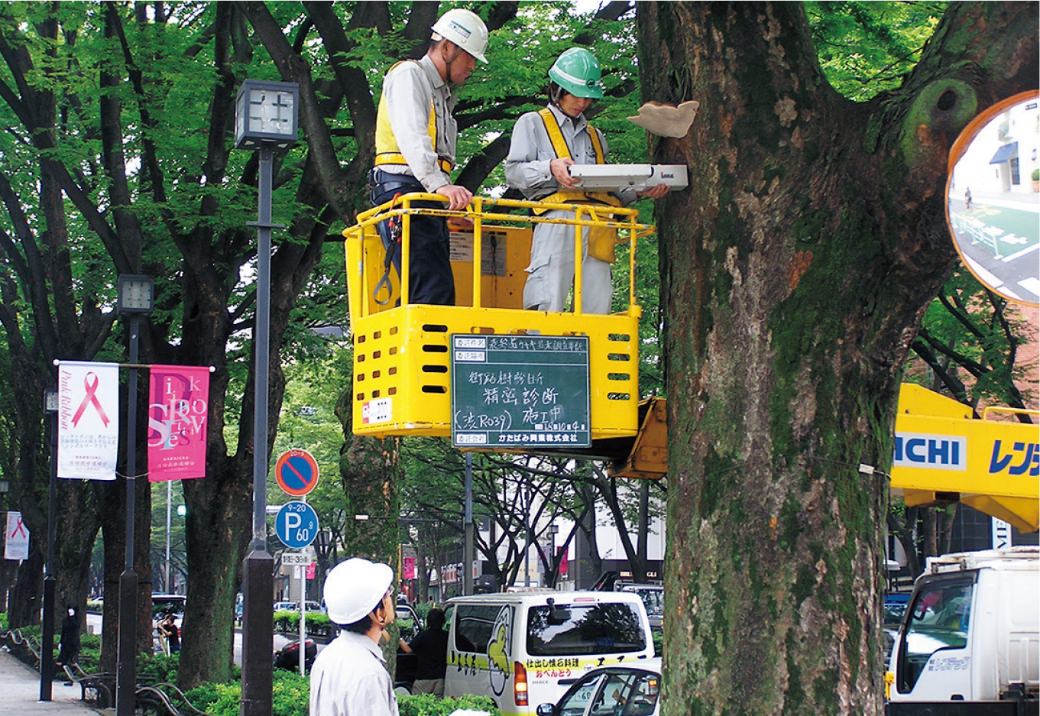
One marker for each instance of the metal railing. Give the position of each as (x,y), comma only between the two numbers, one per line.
(585,215)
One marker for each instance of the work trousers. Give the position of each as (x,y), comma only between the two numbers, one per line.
(551,272)
(429,265)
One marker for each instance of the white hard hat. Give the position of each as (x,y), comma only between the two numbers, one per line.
(465,29)
(354,588)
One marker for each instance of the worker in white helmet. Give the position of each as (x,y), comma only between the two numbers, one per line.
(415,148)
(349,677)
(544,144)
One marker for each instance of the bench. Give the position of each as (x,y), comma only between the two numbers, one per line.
(99,690)
(96,689)
(156,698)
(28,645)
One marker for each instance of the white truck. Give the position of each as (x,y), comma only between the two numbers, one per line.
(970,640)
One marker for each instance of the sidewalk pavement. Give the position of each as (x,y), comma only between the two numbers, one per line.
(20,693)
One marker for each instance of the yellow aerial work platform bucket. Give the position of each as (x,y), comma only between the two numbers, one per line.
(403,353)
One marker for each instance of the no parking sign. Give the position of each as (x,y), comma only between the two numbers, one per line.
(296,472)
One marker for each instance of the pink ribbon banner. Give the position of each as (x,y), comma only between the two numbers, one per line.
(16,545)
(88,420)
(178,407)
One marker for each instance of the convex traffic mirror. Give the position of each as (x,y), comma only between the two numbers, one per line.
(993,198)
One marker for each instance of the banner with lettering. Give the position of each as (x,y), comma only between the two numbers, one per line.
(17,539)
(178,405)
(88,420)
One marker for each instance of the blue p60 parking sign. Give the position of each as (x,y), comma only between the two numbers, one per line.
(296,524)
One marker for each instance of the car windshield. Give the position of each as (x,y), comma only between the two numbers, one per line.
(653,599)
(584,629)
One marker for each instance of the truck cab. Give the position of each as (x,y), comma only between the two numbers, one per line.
(971,632)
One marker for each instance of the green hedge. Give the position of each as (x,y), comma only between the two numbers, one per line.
(289,621)
(291,694)
(430,705)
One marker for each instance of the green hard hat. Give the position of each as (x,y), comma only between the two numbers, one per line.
(577,72)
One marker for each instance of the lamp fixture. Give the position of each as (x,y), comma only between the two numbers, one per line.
(266,113)
(135,293)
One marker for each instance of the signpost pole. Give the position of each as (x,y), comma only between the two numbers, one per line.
(303,613)
(301,570)
(467,558)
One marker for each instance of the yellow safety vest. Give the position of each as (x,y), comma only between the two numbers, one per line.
(601,239)
(387,149)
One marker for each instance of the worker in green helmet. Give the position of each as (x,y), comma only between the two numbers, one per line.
(544,144)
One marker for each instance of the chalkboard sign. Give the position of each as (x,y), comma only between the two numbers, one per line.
(520,391)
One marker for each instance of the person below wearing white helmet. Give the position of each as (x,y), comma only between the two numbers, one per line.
(543,145)
(349,677)
(415,148)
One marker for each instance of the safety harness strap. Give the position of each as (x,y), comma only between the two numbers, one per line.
(559,145)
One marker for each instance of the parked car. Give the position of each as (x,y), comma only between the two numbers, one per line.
(310,605)
(163,604)
(631,690)
(288,657)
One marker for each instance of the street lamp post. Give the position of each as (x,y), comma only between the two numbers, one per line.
(50,404)
(166,564)
(134,300)
(266,116)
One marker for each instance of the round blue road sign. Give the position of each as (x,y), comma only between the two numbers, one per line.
(296,524)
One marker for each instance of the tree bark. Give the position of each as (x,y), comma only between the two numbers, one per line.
(795,271)
(370,472)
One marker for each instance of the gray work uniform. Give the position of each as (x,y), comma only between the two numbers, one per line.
(408,91)
(349,678)
(551,271)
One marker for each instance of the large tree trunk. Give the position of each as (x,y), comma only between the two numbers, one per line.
(111,529)
(73,545)
(370,472)
(795,271)
(216,537)
(218,524)
(26,599)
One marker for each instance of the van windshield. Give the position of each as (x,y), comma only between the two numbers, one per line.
(584,629)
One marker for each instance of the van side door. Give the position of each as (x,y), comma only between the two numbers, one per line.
(934,652)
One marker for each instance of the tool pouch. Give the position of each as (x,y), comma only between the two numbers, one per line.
(601,243)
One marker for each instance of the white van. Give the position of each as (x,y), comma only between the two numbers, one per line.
(971,632)
(526,649)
